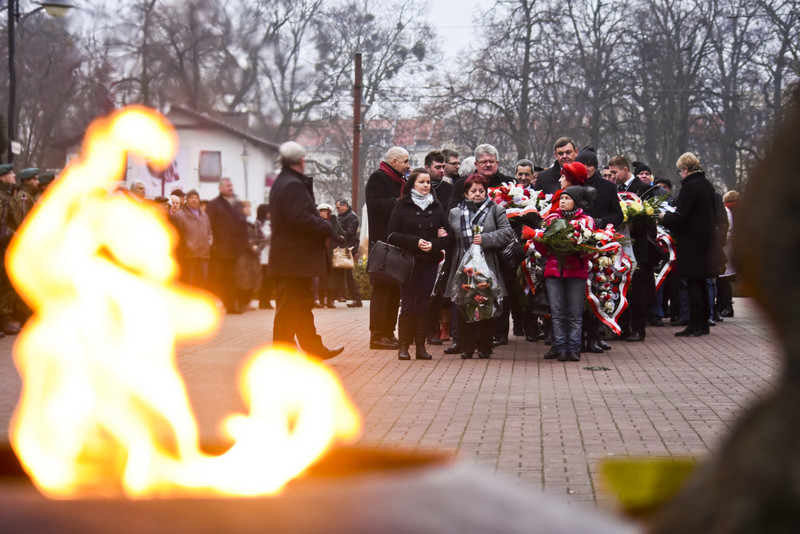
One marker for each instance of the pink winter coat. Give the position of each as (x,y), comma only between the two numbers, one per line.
(574,265)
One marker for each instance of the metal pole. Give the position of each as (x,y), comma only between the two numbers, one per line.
(356,132)
(12,78)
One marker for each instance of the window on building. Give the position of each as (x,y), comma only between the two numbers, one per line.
(210,168)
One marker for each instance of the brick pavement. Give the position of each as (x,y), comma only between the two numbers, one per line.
(544,423)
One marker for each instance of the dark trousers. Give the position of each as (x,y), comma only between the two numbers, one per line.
(699,308)
(347,280)
(634,319)
(222,282)
(293,316)
(478,334)
(725,292)
(415,294)
(383,308)
(194,271)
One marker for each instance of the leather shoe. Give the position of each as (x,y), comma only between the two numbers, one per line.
(466,355)
(679,322)
(403,354)
(690,331)
(655,321)
(391,337)
(354,304)
(711,322)
(594,348)
(422,354)
(327,354)
(603,345)
(569,357)
(531,338)
(636,336)
(484,355)
(552,354)
(10,329)
(727,312)
(455,348)
(383,343)
(433,339)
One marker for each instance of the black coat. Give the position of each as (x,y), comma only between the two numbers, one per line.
(443,191)
(409,223)
(605,209)
(693,228)
(548,179)
(381,195)
(228,228)
(643,236)
(349,224)
(297,246)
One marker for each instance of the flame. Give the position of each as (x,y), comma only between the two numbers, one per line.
(104,410)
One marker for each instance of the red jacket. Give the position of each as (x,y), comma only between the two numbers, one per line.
(573,265)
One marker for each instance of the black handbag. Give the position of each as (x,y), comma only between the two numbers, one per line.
(513,254)
(388,263)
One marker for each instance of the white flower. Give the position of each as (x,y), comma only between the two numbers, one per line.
(537,255)
(587,233)
(599,236)
(608,306)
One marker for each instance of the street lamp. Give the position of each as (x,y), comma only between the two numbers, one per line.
(245,159)
(54,8)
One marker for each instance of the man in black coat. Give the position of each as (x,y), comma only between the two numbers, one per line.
(605,210)
(642,290)
(382,191)
(565,151)
(297,252)
(229,240)
(435,164)
(348,220)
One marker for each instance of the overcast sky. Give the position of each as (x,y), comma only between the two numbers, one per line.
(454,21)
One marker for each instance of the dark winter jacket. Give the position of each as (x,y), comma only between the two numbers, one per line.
(381,195)
(606,209)
(349,223)
(693,228)
(297,246)
(643,236)
(409,223)
(548,179)
(228,227)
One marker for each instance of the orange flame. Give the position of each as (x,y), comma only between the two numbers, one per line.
(104,410)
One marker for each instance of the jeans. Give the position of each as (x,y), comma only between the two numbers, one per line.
(566,307)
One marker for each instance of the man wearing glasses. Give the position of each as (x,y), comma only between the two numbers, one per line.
(451,164)
(565,151)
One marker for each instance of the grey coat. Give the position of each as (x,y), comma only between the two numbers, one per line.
(497,233)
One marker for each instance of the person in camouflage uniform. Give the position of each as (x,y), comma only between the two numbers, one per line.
(45,179)
(8,297)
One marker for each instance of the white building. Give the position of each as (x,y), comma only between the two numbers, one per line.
(209,149)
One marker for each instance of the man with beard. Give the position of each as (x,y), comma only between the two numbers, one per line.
(451,165)
(565,151)
(382,191)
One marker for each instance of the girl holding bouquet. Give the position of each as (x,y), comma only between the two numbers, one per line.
(418,223)
(565,276)
(477,220)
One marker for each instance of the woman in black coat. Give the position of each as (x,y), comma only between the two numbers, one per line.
(418,223)
(693,227)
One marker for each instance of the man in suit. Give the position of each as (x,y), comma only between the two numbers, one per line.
(642,290)
(297,252)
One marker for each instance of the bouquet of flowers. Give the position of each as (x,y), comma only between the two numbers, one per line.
(475,288)
(638,211)
(515,199)
(574,236)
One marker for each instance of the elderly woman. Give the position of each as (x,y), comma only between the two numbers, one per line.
(692,225)
(418,223)
(477,209)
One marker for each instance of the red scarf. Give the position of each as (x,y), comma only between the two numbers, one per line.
(391,173)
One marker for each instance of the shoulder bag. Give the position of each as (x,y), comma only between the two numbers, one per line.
(389,263)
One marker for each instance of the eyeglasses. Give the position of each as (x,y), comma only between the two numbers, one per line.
(486,162)
(455,163)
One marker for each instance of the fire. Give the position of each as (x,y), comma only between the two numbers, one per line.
(104,410)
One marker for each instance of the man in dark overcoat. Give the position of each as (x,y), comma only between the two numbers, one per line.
(382,191)
(565,151)
(297,252)
(229,240)
(348,220)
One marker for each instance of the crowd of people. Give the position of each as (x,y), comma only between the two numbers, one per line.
(442,210)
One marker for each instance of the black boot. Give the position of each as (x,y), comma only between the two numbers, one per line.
(405,327)
(420,334)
